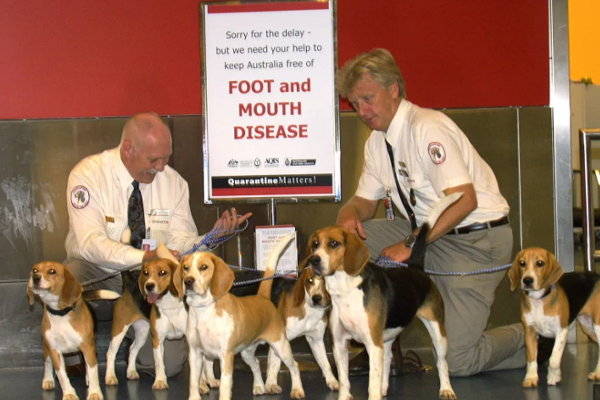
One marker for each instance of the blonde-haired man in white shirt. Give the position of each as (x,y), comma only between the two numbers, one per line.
(432,159)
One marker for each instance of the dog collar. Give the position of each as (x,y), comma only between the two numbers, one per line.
(62,312)
(214,300)
(548,292)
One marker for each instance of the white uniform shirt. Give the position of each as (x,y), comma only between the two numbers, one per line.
(98,192)
(431,154)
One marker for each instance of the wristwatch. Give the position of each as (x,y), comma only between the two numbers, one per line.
(410,240)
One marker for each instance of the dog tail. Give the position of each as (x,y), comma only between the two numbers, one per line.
(92,295)
(163,252)
(417,257)
(264,289)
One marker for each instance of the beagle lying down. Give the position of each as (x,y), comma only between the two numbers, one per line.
(551,300)
(304,306)
(67,325)
(221,324)
(373,305)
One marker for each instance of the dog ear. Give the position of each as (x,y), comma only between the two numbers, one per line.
(298,292)
(222,279)
(556,270)
(514,272)
(356,255)
(175,289)
(30,295)
(71,290)
(142,281)
(177,280)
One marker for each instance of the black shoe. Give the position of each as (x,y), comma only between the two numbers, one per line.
(545,347)
(400,365)
(359,365)
(75,365)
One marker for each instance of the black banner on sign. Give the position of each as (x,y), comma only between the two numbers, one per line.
(318,184)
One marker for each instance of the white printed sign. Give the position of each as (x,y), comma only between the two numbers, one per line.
(270,108)
(267,237)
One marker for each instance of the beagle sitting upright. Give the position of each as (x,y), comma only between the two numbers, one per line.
(221,324)
(373,305)
(67,325)
(551,300)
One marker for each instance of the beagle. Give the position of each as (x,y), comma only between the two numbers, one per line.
(303,305)
(152,305)
(551,300)
(373,305)
(221,324)
(67,325)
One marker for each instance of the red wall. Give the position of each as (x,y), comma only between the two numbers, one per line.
(74,58)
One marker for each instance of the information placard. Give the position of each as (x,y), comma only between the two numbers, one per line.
(271,127)
(267,237)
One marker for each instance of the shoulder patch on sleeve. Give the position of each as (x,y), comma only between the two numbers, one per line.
(80,197)
(436,152)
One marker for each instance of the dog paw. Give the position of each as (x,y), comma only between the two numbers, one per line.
(297,393)
(258,390)
(594,376)
(95,396)
(530,382)
(333,384)
(554,377)
(214,383)
(274,389)
(48,385)
(203,387)
(111,380)
(70,396)
(160,385)
(384,391)
(132,375)
(447,394)
(346,396)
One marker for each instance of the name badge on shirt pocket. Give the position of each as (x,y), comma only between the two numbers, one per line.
(160,219)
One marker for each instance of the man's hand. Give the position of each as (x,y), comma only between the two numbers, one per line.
(353,224)
(356,210)
(229,221)
(397,252)
(151,254)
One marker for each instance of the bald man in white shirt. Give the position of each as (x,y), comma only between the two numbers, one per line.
(98,192)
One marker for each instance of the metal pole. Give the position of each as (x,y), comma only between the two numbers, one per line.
(272,215)
(589,240)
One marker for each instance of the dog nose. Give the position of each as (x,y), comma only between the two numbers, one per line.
(528,281)
(36,279)
(316,299)
(314,260)
(149,287)
(189,282)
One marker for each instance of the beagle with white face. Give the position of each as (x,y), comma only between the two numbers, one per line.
(221,324)
(67,325)
(551,300)
(373,305)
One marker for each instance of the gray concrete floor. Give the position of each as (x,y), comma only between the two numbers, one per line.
(578,360)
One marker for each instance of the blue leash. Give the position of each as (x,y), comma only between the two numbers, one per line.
(386,262)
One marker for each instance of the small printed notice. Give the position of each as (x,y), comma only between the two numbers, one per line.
(267,238)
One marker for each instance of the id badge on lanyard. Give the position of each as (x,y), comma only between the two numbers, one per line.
(389,205)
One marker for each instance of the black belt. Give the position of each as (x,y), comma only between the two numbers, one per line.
(480,226)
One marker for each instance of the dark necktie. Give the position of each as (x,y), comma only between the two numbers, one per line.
(135,216)
(409,211)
